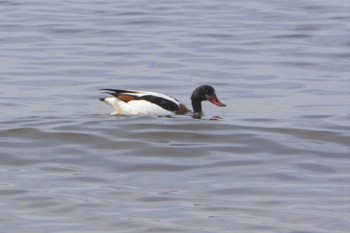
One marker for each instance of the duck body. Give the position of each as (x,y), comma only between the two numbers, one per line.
(129,102)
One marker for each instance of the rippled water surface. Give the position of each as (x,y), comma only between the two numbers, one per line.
(276,159)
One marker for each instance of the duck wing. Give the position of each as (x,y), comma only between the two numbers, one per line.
(124,95)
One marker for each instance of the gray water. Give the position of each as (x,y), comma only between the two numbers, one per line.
(276,159)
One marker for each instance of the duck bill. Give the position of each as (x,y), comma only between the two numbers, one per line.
(215,100)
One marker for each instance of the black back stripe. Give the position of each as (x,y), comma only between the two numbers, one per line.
(116,91)
(164,103)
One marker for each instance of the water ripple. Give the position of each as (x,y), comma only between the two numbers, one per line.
(274,160)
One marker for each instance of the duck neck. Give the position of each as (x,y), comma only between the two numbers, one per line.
(197,108)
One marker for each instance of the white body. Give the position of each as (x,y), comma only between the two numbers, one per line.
(139,107)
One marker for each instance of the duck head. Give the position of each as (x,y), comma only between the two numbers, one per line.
(203,93)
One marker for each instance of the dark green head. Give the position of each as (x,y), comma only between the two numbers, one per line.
(203,93)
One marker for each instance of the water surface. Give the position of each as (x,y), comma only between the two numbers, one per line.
(276,161)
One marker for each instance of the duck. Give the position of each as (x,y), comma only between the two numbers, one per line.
(130,102)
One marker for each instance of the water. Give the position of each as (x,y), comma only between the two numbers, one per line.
(277,161)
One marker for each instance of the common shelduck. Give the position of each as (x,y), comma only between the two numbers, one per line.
(128,102)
